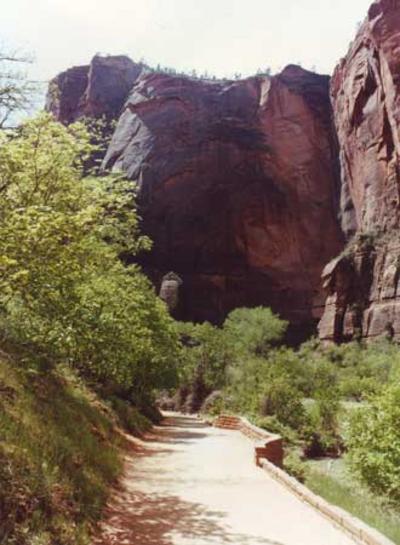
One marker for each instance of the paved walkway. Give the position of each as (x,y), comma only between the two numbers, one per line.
(191,484)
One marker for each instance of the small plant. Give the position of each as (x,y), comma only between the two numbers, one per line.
(215,403)
(294,465)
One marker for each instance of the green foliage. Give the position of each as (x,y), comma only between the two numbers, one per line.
(64,293)
(374,443)
(356,370)
(215,403)
(205,350)
(131,419)
(284,401)
(254,330)
(321,435)
(273,425)
(208,351)
(204,357)
(268,386)
(295,466)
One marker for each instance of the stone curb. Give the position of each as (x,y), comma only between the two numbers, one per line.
(351,525)
(354,527)
(269,446)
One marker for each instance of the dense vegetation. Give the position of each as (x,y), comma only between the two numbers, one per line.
(65,294)
(58,456)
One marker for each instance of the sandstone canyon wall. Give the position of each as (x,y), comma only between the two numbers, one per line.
(363,284)
(238,181)
(249,188)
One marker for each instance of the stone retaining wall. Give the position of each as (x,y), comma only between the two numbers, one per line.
(271,460)
(268,445)
(351,525)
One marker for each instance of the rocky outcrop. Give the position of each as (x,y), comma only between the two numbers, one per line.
(97,90)
(238,182)
(169,291)
(363,292)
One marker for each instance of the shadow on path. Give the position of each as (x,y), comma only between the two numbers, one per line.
(143,519)
(135,517)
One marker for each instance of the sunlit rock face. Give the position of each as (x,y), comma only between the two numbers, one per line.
(363,286)
(238,184)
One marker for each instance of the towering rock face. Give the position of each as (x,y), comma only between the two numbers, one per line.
(363,284)
(237,188)
(241,183)
(238,181)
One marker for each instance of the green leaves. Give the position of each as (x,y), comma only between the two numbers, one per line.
(255,330)
(63,289)
(374,443)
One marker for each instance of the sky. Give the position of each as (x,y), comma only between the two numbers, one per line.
(222,37)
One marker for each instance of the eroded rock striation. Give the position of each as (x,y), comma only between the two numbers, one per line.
(363,284)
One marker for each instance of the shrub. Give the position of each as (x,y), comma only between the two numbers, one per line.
(273,425)
(295,466)
(322,436)
(254,330)
(131,419)
(64,293)
(374,443)
(204,357)
(282,400)
(215,403)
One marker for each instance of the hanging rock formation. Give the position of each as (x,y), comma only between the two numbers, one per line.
(363,284)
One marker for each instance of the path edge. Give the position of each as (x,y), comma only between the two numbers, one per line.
(350,524)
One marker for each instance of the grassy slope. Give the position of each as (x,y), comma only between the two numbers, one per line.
(59,454)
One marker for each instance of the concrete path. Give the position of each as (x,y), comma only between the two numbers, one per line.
(191,484)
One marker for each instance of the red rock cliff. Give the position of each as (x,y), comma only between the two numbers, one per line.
(97,90)
(238,183)
(363,284)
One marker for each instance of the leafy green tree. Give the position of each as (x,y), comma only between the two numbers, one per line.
(64,293)
(254,330)
(204,357)
(374,443)
(284,401)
